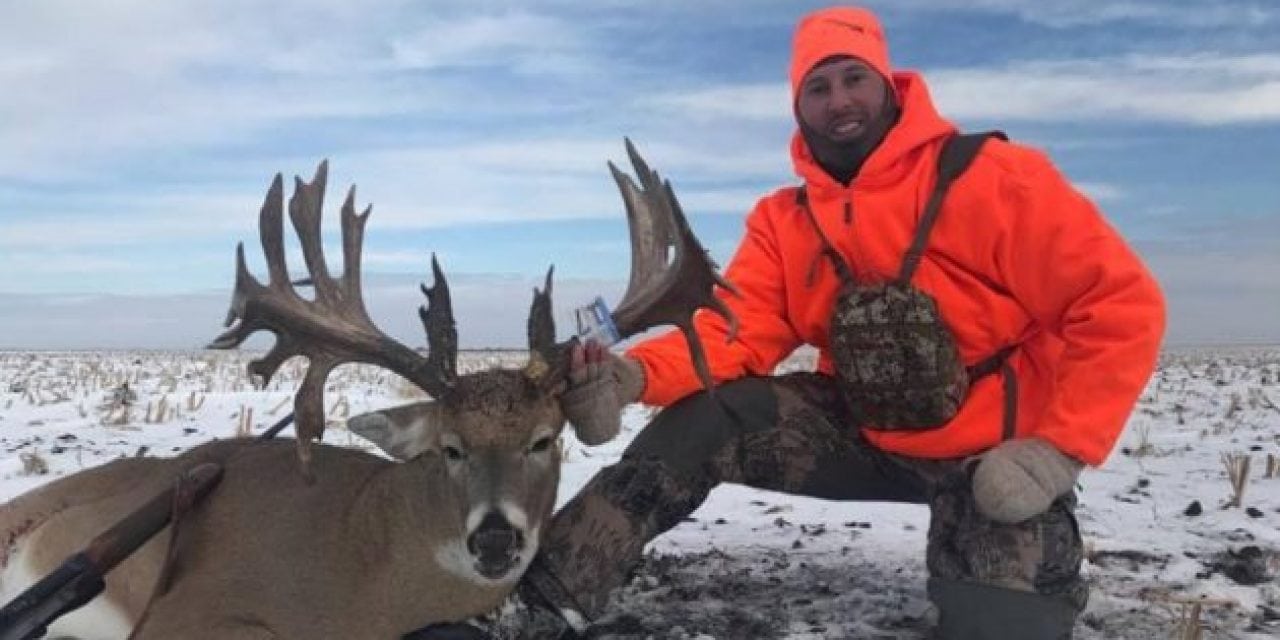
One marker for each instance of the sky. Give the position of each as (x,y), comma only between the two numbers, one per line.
(137,140)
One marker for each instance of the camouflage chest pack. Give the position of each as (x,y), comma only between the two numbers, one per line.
(897,361)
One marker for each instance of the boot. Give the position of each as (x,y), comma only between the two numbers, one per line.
(973,611)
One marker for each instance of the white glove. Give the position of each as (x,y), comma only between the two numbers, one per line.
(600,385)
(1020,478)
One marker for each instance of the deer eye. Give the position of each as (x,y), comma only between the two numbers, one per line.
(540,445)
(453,453)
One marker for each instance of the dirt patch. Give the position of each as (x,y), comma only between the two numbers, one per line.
(1128,559)
(766,595)
(1250,565)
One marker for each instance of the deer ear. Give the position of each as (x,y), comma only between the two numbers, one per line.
(403,432)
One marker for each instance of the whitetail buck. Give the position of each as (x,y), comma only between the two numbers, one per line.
(355,546)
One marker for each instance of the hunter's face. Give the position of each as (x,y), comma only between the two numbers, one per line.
(842,100)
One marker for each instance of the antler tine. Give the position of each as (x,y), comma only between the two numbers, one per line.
(352,243)
(545,355)
(442,333)
(672,276)
(271,233)
(703,266)
(306,208)
(331,330)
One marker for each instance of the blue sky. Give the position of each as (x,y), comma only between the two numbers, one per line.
(137,139)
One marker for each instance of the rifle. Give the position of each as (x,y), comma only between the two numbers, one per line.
(80,577)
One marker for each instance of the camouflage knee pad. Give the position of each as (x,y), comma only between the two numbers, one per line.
(1041,555)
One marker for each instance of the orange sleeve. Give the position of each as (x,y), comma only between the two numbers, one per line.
(1079,279)
(764,337)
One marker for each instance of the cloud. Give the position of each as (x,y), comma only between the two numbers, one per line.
(178,239)
(1204,89)
(1066,14)
(1060,14)
(411,187)
(138,137)
(1218,275)
(1219,297)
(490,311)
(1102,191)
(756,101)
(535,179)
(1226,297)
(517,38)
(61,263)
(1185,233)
(94,83)
(143,219)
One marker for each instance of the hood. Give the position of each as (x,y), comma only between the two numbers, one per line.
(918,125)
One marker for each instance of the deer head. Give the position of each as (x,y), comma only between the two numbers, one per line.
(486,441)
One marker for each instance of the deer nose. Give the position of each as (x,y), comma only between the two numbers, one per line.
(495,544)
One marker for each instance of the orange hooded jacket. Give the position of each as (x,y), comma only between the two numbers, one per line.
(1017,257)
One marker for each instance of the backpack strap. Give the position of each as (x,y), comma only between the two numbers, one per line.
(999,361)
(957,154)
(843,270)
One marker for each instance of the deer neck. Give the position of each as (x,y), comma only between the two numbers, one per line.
(411,511)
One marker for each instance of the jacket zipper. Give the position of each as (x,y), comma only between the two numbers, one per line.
(848,222)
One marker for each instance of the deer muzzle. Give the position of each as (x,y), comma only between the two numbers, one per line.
(496,545)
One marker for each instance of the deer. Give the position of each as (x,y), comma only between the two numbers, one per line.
(303,539)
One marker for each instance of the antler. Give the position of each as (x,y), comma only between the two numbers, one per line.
(335,328)
(544,354)
(672,276)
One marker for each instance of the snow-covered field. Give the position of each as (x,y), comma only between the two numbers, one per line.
(754,564)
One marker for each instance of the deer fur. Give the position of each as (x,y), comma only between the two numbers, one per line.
(372,548)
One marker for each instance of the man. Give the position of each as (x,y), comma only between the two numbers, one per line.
(1052,320)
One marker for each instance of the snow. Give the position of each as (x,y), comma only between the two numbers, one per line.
(758,564)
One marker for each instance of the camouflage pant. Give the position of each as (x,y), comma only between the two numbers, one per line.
(788,434)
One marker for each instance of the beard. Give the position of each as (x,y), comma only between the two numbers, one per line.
(842,159)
